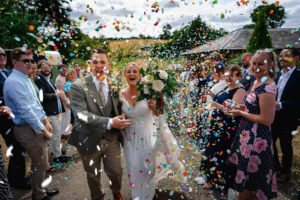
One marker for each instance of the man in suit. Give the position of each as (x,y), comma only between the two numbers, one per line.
(52,104)
(287,110)
(247,78)
(96,131)
(16,166)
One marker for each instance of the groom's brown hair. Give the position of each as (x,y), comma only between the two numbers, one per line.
(100,51)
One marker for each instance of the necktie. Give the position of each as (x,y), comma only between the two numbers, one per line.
(101,92)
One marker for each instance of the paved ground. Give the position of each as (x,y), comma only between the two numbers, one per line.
(72,183)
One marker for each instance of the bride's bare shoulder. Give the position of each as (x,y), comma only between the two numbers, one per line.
(123,92)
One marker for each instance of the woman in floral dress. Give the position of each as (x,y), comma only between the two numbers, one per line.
(252,149)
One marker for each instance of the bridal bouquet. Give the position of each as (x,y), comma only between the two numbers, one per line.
(156,84)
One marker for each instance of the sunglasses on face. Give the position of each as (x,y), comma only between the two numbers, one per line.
(27,61)
(3,54)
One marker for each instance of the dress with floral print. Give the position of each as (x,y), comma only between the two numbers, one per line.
(252,151)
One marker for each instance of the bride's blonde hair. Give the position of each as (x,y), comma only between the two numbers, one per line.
(132,63)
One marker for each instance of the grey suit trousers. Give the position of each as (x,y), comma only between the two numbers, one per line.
(110,153)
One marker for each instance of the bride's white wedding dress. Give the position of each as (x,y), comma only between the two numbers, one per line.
(150,149)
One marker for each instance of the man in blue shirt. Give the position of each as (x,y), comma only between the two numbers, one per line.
(16,166)
(33,128)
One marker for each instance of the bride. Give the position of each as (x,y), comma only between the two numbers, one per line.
(150,149)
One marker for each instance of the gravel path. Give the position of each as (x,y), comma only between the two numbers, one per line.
(72,183)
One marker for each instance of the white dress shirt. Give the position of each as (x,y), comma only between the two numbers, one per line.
(282,83)
(105,92)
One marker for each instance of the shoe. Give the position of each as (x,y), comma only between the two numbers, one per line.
(52,192)
(23,186)
(62,159)
(45,198)
(283,177)
(118,196)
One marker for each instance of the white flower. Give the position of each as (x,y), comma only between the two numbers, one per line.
(145,89)
(148,79)
(157,85)
(163,74)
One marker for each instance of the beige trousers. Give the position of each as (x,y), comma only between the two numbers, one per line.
(35,145)
(110,153)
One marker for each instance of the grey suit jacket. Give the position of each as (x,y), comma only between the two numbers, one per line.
(90,121)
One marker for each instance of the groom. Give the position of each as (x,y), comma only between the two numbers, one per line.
(96,131)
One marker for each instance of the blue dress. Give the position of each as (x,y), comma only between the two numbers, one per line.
(218,139)
(252,151)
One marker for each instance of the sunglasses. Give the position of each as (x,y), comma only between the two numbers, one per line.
(3,54)
(27,61)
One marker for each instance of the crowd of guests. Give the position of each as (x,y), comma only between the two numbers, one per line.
(241,113)
(238,129)
(33,110)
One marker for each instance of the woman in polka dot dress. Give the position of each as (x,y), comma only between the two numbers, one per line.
(252,150)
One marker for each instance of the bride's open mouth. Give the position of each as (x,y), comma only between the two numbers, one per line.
(132,79)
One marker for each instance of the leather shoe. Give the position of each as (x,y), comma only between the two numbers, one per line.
(52,192)
(23,186)
(45,198)
(283,177)
(118,196)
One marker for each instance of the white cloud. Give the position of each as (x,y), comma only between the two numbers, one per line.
(140,17)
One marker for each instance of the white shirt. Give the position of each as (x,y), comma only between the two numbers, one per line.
(282,82)
(105,92)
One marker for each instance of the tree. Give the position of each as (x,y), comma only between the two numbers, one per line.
(196,33)
(82,48)
(17,27)
(260,38)
(275,15)
(166,32)
(250,26)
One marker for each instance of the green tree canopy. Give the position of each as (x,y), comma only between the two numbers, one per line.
(275,15)
(260,38)
(196,33)
(17,27)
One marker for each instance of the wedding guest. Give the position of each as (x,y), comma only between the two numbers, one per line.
(71,78)
(287,111)
(219,82)
(5,191)
(33,128)
(252,148)
(34,71)
(16,166)
(78,70)
(60,84)
(247,79)
(221,132)
(52,104)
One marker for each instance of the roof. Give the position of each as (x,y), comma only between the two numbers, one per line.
(238,40)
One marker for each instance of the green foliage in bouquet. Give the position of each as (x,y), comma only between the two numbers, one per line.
(156,83)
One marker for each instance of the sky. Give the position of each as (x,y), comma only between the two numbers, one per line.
(127,18)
